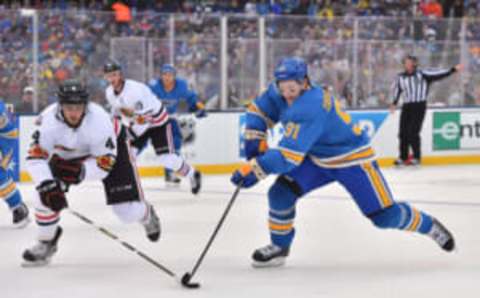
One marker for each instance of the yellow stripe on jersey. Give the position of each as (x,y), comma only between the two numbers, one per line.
(327,100)
(4,192)
(416,220)
(378,185)
(6,159)
(13,134)
(292,157)
(366,153)
(280,227)
(252,108)
(106,162)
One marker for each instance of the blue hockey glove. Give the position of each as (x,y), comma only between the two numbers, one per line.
(255,143)
(254,148)
(249,173)
(200,111)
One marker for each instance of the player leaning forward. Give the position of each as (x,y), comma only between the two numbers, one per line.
(320,145)
(147,119)
(75,141)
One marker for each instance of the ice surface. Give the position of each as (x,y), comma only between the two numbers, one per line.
(336,253)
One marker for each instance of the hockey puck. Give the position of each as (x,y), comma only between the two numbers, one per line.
(186,282)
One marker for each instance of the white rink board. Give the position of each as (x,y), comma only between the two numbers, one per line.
(217,139)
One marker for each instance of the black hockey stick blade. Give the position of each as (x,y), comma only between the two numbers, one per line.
(187,283)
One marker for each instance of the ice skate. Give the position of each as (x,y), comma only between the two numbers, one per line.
(41,253)
(399,163)
(269,256)
(196,182)
(20,216)
(414,162)
(171,180)
(442,236)
(152,225)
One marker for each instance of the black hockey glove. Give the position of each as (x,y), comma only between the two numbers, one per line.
(67,171)
(52,195)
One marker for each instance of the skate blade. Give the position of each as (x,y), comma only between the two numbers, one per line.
(196,190)
(414,167)
(172,184)
(28,264)
(277,262)
(22,224)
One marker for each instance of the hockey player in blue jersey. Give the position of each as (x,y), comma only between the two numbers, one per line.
(8,190)
(320,145)
(174,91)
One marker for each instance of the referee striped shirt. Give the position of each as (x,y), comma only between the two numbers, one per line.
(415,86)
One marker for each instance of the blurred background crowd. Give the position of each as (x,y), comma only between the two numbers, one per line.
(321,8)
(353,46)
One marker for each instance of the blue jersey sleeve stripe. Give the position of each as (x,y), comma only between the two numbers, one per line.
(292,156)
(12,134)
(253,134)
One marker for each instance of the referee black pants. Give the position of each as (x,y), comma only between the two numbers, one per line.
(411,120)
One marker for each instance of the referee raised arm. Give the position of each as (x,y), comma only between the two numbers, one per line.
(414,84)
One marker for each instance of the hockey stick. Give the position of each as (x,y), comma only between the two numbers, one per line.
(123,243)
(188,275)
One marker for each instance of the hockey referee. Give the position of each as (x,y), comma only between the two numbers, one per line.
(414,84)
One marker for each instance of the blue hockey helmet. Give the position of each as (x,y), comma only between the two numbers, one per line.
(291,68)
(168,68)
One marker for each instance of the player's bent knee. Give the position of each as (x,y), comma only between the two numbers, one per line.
(171,161)
(389,217)
(283,192)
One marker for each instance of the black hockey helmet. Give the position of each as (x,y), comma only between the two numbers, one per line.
(72,92)
(111,66)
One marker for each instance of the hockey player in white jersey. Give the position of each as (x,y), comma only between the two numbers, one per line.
(75,141)
(146,119)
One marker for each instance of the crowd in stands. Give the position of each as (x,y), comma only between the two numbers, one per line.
(321,8)
(75,37)
(313,8)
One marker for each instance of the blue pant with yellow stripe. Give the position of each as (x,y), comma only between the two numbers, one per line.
(364,182)
(8,189)
(8,147)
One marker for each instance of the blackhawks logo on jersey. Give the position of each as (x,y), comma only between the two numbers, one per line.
(106,162)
